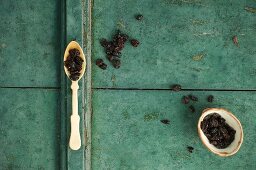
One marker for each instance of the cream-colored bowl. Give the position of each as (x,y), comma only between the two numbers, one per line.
(232,121)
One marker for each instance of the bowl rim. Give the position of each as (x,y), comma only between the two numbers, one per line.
(222,154)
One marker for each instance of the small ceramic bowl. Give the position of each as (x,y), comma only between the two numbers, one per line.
(231,121)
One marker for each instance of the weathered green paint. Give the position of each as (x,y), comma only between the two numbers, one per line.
(123,139)
(186,42)
(30,43)
(30,129)
(74,30)
(171,33)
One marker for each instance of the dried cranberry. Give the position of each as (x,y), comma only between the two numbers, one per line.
(74,76)
(185,100)
(101,64)
(190,149)
(210,98)
(104,42)
(192,108)
(110,57)
(165,121)
(116,63)
(176,87)
(235,40)
(74,52)
(139,17)
(135,42)
(194,98)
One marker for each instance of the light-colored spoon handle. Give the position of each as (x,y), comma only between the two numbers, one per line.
(75,139)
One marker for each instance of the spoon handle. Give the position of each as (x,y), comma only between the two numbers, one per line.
(75,139)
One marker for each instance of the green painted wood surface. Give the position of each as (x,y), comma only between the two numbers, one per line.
(184,42)
(29,43)
(30,129)
(74,29)
(171,33)
(34,111)
(127,132)
(32,40)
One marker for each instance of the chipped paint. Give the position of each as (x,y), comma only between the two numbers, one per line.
(250,9)
(198,57)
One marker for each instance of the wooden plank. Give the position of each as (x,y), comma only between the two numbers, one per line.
(30,129)
(74,30)
(173,35)
(29,43)
(128,134)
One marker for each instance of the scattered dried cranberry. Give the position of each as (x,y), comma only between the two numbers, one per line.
(113,48)
(135,42)
(235,40)
(116,63)
(101,64)
(104,43)
(139,17)
(176,87)
(192,108)
(185,100)
(194,98)
(190,149)
(110,57)
(210,98)
(165,121)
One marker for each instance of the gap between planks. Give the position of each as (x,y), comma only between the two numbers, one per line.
(28,87)
(148,89)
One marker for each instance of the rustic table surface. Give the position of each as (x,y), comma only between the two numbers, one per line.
(186,42)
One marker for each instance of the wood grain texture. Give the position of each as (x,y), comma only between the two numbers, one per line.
(30,43)
(30,129)
(128,134)
(171,34)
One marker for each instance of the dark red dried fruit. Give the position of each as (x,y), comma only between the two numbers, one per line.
(74,76)
(113,48)
(194,98)
(116,63)
(185,99)
(165,121)
(135,42)
(176,87)
(235,40)
(74,52)
(110,57)
(139,17)
(101,64)
(104,43)
(190,149)
(74,64)
(192,108)
(210,98)
(218,132)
